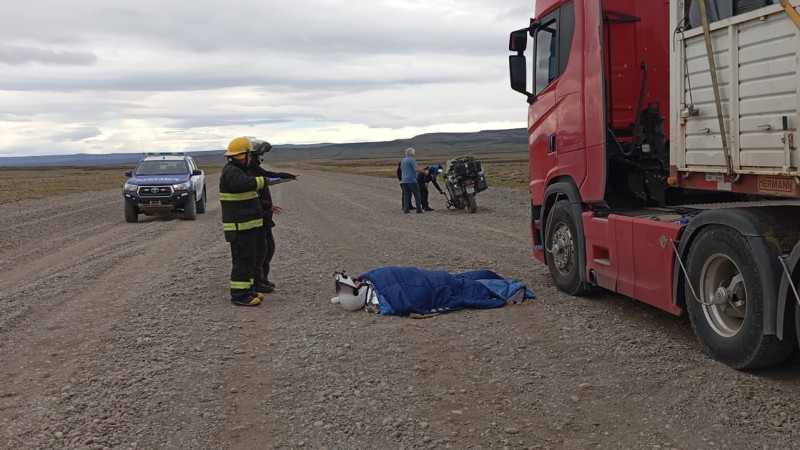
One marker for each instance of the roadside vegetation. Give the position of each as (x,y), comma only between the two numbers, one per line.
(40,182)
(508,170)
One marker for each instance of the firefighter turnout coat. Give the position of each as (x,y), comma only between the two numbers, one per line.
(239,197)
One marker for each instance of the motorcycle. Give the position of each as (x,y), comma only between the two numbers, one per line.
(464,179)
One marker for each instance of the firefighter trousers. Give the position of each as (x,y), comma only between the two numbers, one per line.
(243,257)
(264,252)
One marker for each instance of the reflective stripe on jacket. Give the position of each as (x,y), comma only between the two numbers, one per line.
(238,195)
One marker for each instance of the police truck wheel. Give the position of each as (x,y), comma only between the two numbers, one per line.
(131,212)
(190,210)
(561,242)
(201,204)
(472,204)
(728,314)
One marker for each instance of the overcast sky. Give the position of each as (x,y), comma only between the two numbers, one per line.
(91,76)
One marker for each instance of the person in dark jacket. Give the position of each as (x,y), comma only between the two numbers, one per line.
(242,218)
(400,179)
(265,249)
(430,177)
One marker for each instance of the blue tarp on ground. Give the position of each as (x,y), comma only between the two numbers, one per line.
(405,290)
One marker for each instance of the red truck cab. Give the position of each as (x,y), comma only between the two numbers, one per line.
(610,209)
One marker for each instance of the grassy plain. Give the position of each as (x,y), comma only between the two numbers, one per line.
(502,170)
(509,170)
(40,182)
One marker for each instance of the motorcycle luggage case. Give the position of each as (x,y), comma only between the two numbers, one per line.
(481,184)
(466,168)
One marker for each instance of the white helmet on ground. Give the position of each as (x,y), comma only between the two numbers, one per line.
(351,296)
(353,299)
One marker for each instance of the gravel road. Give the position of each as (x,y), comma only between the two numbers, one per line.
(118,335)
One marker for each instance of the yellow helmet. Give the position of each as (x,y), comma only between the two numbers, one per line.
(239,146)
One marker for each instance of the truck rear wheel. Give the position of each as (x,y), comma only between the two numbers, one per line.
(131,212)
(472,204)
(728,316)
(190,210)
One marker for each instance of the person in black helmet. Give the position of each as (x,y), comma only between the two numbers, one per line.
(265,248)
(430,177)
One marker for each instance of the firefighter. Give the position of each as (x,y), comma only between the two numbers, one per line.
(266,240)
(241,219)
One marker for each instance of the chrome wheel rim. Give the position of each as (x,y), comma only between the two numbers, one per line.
(724,295)
(562,246)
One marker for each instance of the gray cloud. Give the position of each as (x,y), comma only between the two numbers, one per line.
(17,55)
(77,134)
(193,72)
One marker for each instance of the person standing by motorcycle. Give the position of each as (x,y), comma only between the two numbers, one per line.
(265,248)
(409,171)
(423,180)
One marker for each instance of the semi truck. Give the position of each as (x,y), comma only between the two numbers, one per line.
(664,162)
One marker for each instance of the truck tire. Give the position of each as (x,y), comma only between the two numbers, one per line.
(797,321)
(561,245)
(190,210)
(472,204)
(728,316)
(201,204)
(131,212)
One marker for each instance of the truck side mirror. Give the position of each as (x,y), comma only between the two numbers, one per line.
(517,66)
(518,41)
(129,173)
(196,172)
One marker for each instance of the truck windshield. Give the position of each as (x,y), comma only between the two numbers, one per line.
(161,168)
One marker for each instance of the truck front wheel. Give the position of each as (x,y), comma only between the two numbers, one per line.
(131,212)
(727,313)
(190,209)
(201,204)
(561,242)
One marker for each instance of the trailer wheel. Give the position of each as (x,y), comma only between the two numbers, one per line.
(728,316)
(561,242)
(472,204)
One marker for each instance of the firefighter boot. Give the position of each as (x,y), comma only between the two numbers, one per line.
(246,301)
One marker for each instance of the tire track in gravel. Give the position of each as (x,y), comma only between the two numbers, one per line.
(107,356)
(558,372)
(128,341)
(35,227)
(348,228)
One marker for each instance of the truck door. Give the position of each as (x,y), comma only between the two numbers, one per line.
(542,118)
(566,119)
(555,117)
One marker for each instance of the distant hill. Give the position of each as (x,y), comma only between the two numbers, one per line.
(430,144)
(85,159)
(427,145)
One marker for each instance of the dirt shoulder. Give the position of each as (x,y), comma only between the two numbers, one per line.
(117,335)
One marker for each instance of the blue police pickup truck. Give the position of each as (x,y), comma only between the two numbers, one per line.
(165,183)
